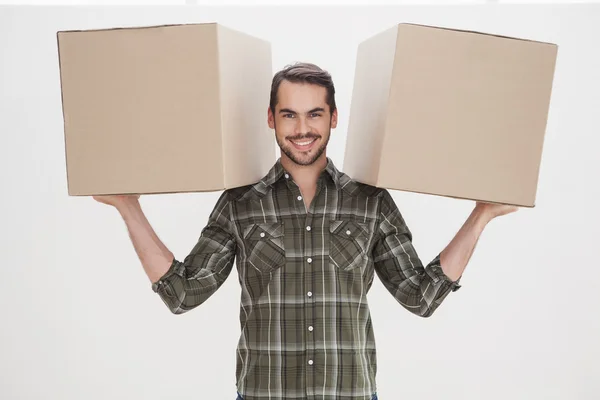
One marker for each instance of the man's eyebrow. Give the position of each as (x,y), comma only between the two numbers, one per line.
(288,111)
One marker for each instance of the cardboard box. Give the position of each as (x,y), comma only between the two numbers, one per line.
(451,113)
(161,109)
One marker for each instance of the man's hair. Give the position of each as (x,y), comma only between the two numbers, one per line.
(302,72)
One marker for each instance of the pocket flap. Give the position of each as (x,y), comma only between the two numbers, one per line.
(348,228)
(263,231)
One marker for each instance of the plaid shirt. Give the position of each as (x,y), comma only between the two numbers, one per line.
(306,329)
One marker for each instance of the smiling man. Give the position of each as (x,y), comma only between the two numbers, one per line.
(307,241)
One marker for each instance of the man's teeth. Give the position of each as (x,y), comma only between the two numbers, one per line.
(304,143)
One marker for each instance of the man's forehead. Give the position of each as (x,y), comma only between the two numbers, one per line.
(301,95)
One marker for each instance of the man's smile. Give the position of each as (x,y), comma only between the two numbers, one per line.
(303,144)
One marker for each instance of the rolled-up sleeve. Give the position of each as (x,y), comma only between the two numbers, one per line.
(418,289)
(190,283)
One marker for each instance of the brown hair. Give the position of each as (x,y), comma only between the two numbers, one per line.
(304,73)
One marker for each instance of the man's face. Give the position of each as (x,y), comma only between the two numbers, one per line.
(302,121)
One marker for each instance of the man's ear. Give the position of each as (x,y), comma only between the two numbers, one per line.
(334,119)
(270,119)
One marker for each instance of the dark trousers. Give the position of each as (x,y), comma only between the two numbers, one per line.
(239,397)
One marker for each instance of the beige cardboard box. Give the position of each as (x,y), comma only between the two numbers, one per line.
(449,112)
(161,109)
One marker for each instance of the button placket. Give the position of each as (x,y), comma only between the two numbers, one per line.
(309,298)
(297,192)
(309,266)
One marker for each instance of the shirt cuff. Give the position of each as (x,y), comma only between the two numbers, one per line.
(161,286)
(436,273)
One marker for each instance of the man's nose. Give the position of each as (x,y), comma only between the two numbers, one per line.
(302,126)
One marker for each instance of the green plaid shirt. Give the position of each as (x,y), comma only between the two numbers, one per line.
(306,328)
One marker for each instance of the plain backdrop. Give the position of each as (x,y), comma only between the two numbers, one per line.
(78,318)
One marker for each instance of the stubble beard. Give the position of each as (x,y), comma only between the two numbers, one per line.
(288,150)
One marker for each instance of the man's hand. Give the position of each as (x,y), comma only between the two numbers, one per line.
(118,201)
(493,210)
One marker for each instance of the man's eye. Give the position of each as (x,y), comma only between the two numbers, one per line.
(288,115)
(315,115)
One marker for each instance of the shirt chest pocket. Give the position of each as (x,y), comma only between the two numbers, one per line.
(264,244)
(348,241)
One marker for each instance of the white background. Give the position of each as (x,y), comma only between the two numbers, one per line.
(80,321)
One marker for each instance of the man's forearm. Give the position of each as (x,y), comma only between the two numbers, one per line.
(456,255)
(153,254)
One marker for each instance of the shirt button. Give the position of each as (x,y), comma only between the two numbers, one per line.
(262,234)
(309,294)
(310,362)
(299,197)
(348,232)
(309,260)
(287,176)
(308,228)
(310,328)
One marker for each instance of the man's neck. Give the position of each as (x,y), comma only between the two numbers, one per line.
(305,176)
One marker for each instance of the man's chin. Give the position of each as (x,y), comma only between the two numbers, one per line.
(302,158)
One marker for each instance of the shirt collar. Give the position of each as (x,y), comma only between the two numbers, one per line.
(341,180)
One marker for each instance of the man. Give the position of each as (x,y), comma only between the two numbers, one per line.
(307,241)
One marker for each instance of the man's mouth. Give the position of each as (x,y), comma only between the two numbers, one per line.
(303,144)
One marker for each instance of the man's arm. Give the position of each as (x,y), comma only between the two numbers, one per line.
(418,289)
(422,289)
(181,285)
(455,257)
(155,257)
(153,254)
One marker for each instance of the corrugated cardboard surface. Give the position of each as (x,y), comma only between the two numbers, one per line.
(143,109)
(249,147)
(372,79)
(466,115)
